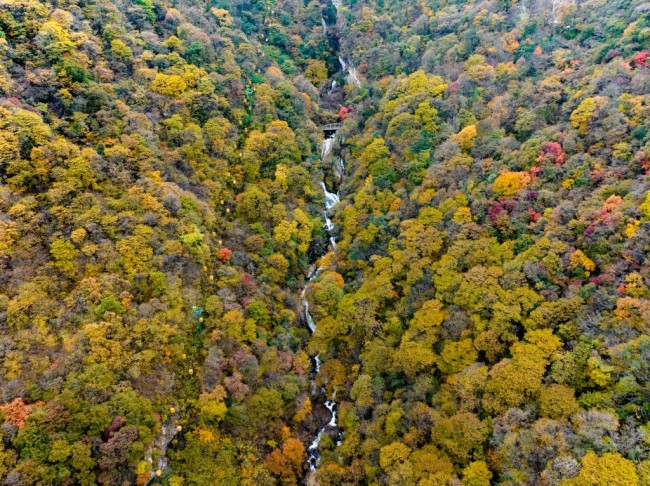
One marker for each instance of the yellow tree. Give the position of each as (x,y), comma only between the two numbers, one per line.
(611,469)
(508,183)
(317,72)
(477,474)
(584,113)
(171,85)
(465,138)
(459,435)
(515,380)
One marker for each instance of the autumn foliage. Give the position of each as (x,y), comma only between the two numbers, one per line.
(16,412)
(482,318)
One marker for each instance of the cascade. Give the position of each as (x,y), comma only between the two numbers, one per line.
(329,226)
(330,198)
(328,143)
(305,303)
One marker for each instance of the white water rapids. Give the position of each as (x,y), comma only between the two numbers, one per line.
(330,200)
(339,169)
(329,226)
(325,150)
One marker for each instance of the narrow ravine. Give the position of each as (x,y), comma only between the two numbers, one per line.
(158,448)
(337,166)
(330,200)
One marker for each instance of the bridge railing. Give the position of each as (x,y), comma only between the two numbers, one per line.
(331,127)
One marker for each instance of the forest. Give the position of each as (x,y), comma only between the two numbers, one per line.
(449,286)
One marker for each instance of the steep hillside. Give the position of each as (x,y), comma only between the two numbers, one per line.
(493,326)
(480,313)
(159,206)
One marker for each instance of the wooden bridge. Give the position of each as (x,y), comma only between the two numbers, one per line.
(331,127)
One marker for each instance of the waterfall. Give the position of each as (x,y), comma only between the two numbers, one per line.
(339,168)
(332,87)
(330,198)
(324,26)
(313,451)
(329,226)
(344,66)
(326,148)
(310,321)
(331,406)
(337,171)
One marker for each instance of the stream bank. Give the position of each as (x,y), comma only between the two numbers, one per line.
(323,420)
